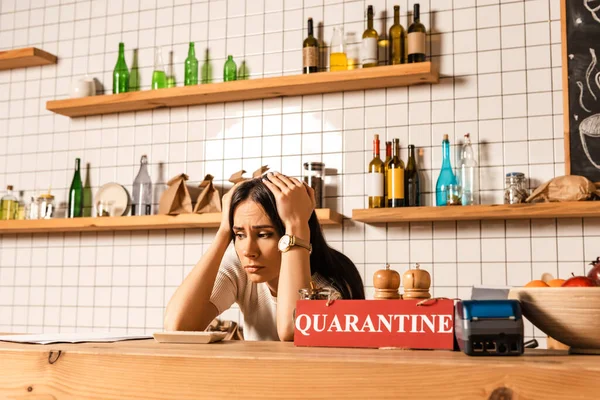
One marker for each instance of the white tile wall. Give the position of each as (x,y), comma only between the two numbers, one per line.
(501,81)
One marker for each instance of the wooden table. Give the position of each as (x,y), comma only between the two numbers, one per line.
(146,369)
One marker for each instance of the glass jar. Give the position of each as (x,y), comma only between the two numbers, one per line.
(315,294)
(314,176)
(45,206)
(515,191)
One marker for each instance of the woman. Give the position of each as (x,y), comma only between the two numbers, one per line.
(262,216)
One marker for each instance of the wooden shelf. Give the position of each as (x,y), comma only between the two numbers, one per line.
(25,57)
(325,82)
(150,222)
(480,212)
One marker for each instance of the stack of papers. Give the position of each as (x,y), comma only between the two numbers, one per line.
(49,338)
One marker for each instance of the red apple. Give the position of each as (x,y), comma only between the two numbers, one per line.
(580,281)
(595,271)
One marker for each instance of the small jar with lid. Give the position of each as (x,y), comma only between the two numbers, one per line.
(515,191)
(316,293)
(314,176)
(45,206)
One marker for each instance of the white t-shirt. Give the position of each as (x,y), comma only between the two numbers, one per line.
(254,299)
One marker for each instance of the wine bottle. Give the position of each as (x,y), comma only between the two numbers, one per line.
(388,157)
(229,70)
(467,174)
(395,177)
(416,38)
(159,77)
(397,40)
(141,202)
(368,51)
(411,187)
(191,67)
(310,52)
(375,176)
(446,177)
(338,59)
(76,194)
(121,73)
(8,205)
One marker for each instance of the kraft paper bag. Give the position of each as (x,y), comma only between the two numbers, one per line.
(238,176)
(565,188)
(176,199)
(208,200)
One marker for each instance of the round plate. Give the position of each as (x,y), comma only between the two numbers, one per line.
(115,194)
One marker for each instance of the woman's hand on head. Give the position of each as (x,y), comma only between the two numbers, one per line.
(224,227)
(295,200)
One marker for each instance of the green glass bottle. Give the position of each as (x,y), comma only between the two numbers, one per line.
(159,77)
(230,70)
(206,68)
(397,40)
(121,73)
(191,67)
(75,209)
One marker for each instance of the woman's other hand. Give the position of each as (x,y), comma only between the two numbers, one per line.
(226,203)
(295,200)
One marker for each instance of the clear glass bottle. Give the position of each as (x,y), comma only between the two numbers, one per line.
(446,177)
(159,77)
(8,205)
(141,202)
(121,73)
(191,67)
(467,174)
(338,60)
(229,70)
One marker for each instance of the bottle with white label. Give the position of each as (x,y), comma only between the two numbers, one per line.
(368,51)
(416,38)
(375,176)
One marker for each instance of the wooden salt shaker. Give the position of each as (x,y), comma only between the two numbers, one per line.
(386,282)
(416,284)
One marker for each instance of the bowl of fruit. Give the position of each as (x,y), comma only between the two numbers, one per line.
(567,310)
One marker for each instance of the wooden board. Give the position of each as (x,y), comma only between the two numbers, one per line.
(479,212)
(295,85)
(581,90)
(25,57)
(275,370)
(150,222)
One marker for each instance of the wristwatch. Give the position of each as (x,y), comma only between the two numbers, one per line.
(288,241)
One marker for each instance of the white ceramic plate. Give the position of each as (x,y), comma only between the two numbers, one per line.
(115,195)
(189,337)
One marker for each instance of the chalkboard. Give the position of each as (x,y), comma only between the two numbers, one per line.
(581,86)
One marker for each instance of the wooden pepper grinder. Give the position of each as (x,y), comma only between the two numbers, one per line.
(386,282)
(416,284)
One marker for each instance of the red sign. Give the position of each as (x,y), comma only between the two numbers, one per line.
(375,323)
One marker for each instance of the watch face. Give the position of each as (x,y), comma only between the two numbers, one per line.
(284,243)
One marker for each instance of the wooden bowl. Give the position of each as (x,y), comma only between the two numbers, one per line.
(569,315)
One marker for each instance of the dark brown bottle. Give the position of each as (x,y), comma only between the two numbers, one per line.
(412,196)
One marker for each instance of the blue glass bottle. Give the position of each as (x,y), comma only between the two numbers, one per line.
(446,177)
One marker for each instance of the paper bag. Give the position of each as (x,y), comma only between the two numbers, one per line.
(238,176)
(176,199)
(565,188)
(208,200)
